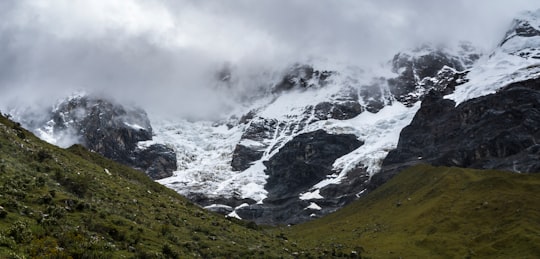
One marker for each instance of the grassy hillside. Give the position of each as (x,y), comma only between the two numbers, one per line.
(435,212)
(57,203)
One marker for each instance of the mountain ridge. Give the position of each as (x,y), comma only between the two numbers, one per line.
(223,164)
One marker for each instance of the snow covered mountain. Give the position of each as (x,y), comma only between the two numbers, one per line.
(315,137)
(260,166)
(282,162)
(105,127)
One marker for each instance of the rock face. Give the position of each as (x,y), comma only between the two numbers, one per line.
(496,131)
(419,70)
(158,161)
(305,161)
(301,76)
(113,131)
(253,142)
(305,158)
(302,162)
(522,37)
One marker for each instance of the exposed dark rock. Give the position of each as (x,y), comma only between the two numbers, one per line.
(301,76)
(258,130)
(298,165)
(108,129)
(376,95)
(520,28)
(292,210)
(343,106)
(243,157)
(338,111)
(419,72)
(496,131)
(338,195)
(304,161)
(113,131)
(159,161)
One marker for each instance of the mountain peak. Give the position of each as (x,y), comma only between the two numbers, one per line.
(522,37)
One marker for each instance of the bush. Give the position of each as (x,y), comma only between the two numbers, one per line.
(75,183)
(20,232)
(168,252)
(3,212)
(43,155)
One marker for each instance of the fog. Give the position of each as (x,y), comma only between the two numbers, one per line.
(164,54)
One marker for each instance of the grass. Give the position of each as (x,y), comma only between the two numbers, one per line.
(435,212)
(72,203)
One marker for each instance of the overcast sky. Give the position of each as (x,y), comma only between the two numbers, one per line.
(161,51)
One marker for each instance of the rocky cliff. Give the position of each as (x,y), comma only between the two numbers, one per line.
(112,130)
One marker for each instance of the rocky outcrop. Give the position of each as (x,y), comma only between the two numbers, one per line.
(496,131)
(521,28)
(304,161)
(345,105)
(301,76)
(419,70)
(523,35)
(301,163)
(253,142)
(113,131)
(158,161)
(244,156)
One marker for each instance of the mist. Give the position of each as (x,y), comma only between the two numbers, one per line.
(163,55)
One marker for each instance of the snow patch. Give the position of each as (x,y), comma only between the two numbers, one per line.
(495,72)
(134,126)
(314,195)
(313,206)
(204,152)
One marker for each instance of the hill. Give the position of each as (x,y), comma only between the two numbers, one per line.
(435,212)
(58,203)
(62,203)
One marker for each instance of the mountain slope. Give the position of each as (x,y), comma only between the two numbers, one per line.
(435,212)
(59,203)
(226,164)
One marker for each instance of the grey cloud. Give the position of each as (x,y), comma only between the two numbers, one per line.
(162,54)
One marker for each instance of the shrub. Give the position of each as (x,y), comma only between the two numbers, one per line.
(168,252)
(75,183)
(43,155)
(20,232)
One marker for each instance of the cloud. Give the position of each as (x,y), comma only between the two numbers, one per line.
(163,54)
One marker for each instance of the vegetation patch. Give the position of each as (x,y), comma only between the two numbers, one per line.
(435,212)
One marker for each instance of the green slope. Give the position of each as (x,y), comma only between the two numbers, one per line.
(435,212)
(60,203)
